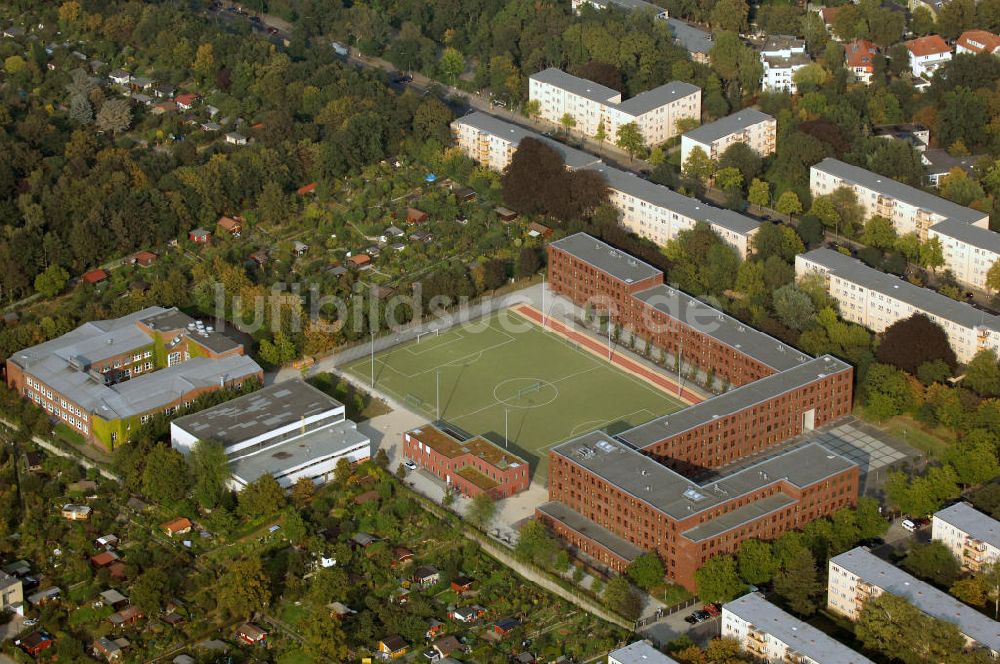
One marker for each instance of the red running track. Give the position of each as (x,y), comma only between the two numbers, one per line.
(587,343)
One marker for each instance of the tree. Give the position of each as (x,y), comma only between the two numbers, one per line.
(717,580)
(742,157)
(788,204)
(538,182)
(932,254)
(959,188)
(910,342)
(759,194)
(273,204)
(528,262)
(810,230)
(974,458)
(80,110)
(797,583)
(756,562)
(934,562)
(482,510)
(982,374)
(204,62)
(322,639)
(729,15)
(885,391)
(890,625)
(165,477)
(601,133)
(244,589)
(600,72)
(533,108)
(646,571)
(150,590)
(629,138)
(210,470)
(621,597)
(794,308)
(115,115)
(879,233)
(698,165)
(452,64)
(52,281)
(262,497)
(535,545)
(850,212)
(567,121)
(993,276)
(729,179)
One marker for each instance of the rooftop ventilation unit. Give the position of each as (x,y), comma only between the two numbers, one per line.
(605,446)
(693,494)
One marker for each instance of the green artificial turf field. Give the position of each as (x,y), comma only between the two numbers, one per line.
(549,389)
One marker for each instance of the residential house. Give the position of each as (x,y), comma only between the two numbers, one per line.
(299,248)
(113,598)
(120,77)
(434,627)
(186,101)
(179,526)
(465,194)
(927,54)
(392,647)
(400,596)
(43,597)
(200,236)
(103,559)
(144,258)
(75,512)
(107,541)
(446,645)
(111,651)
(939,164)
(164,107)
(782,56)
(916,135)
(307,189)
(130,615)
(251,634)
(694,40)
(259,257)
(426,575)
(971,536)
(35,643)
(232,225)
(360,261)
(141,83)
(401,556)
(235,138)
(467,614)
(595,107)
(859,58)
(94,277)
(11,593)
(462,584)
(393,232)
(505,215)
(339,610)
(164,90)
(210,126)
(536,229)
(415,216)
(505,626)
(141,98)
(363,540)
(749,126)
(974,42)
(828,15)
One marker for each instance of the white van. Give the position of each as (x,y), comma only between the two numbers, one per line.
(909,525)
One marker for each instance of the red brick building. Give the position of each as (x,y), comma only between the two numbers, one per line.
(613,498)
(612,503)
(472,466)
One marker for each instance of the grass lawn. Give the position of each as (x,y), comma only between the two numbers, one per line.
(295,657)
(505,366)
(932,442)
(66,434)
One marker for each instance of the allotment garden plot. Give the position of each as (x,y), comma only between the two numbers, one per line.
(503,367)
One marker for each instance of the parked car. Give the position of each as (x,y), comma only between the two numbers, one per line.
(409,464)
(909,525)
(712,610)
(691,619)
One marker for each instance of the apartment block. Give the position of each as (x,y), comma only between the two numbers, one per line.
(876,300)
(750,126)
(857,575)
(969,251)
(611,502)
(771,635)
(106,378)
(909,209)
(613,497)
(626,5)
(289,430)
(471,465)
(492,142)
(972,536)
(640,652)
(650,210)
(782,56)
(11,593)
(591,105)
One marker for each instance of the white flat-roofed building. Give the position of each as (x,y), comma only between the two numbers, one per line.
(969,251)
(492,141)
(876,300)
(769,634)
(758,130)
(289,430)
(656,111)
(627,5)
(653,211)
(973,537)
(857,575)
(640,652)
(659,213)
(782,56)
(909,209)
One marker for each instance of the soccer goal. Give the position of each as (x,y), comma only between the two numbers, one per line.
(529,389)
(421,335)
(414,401)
